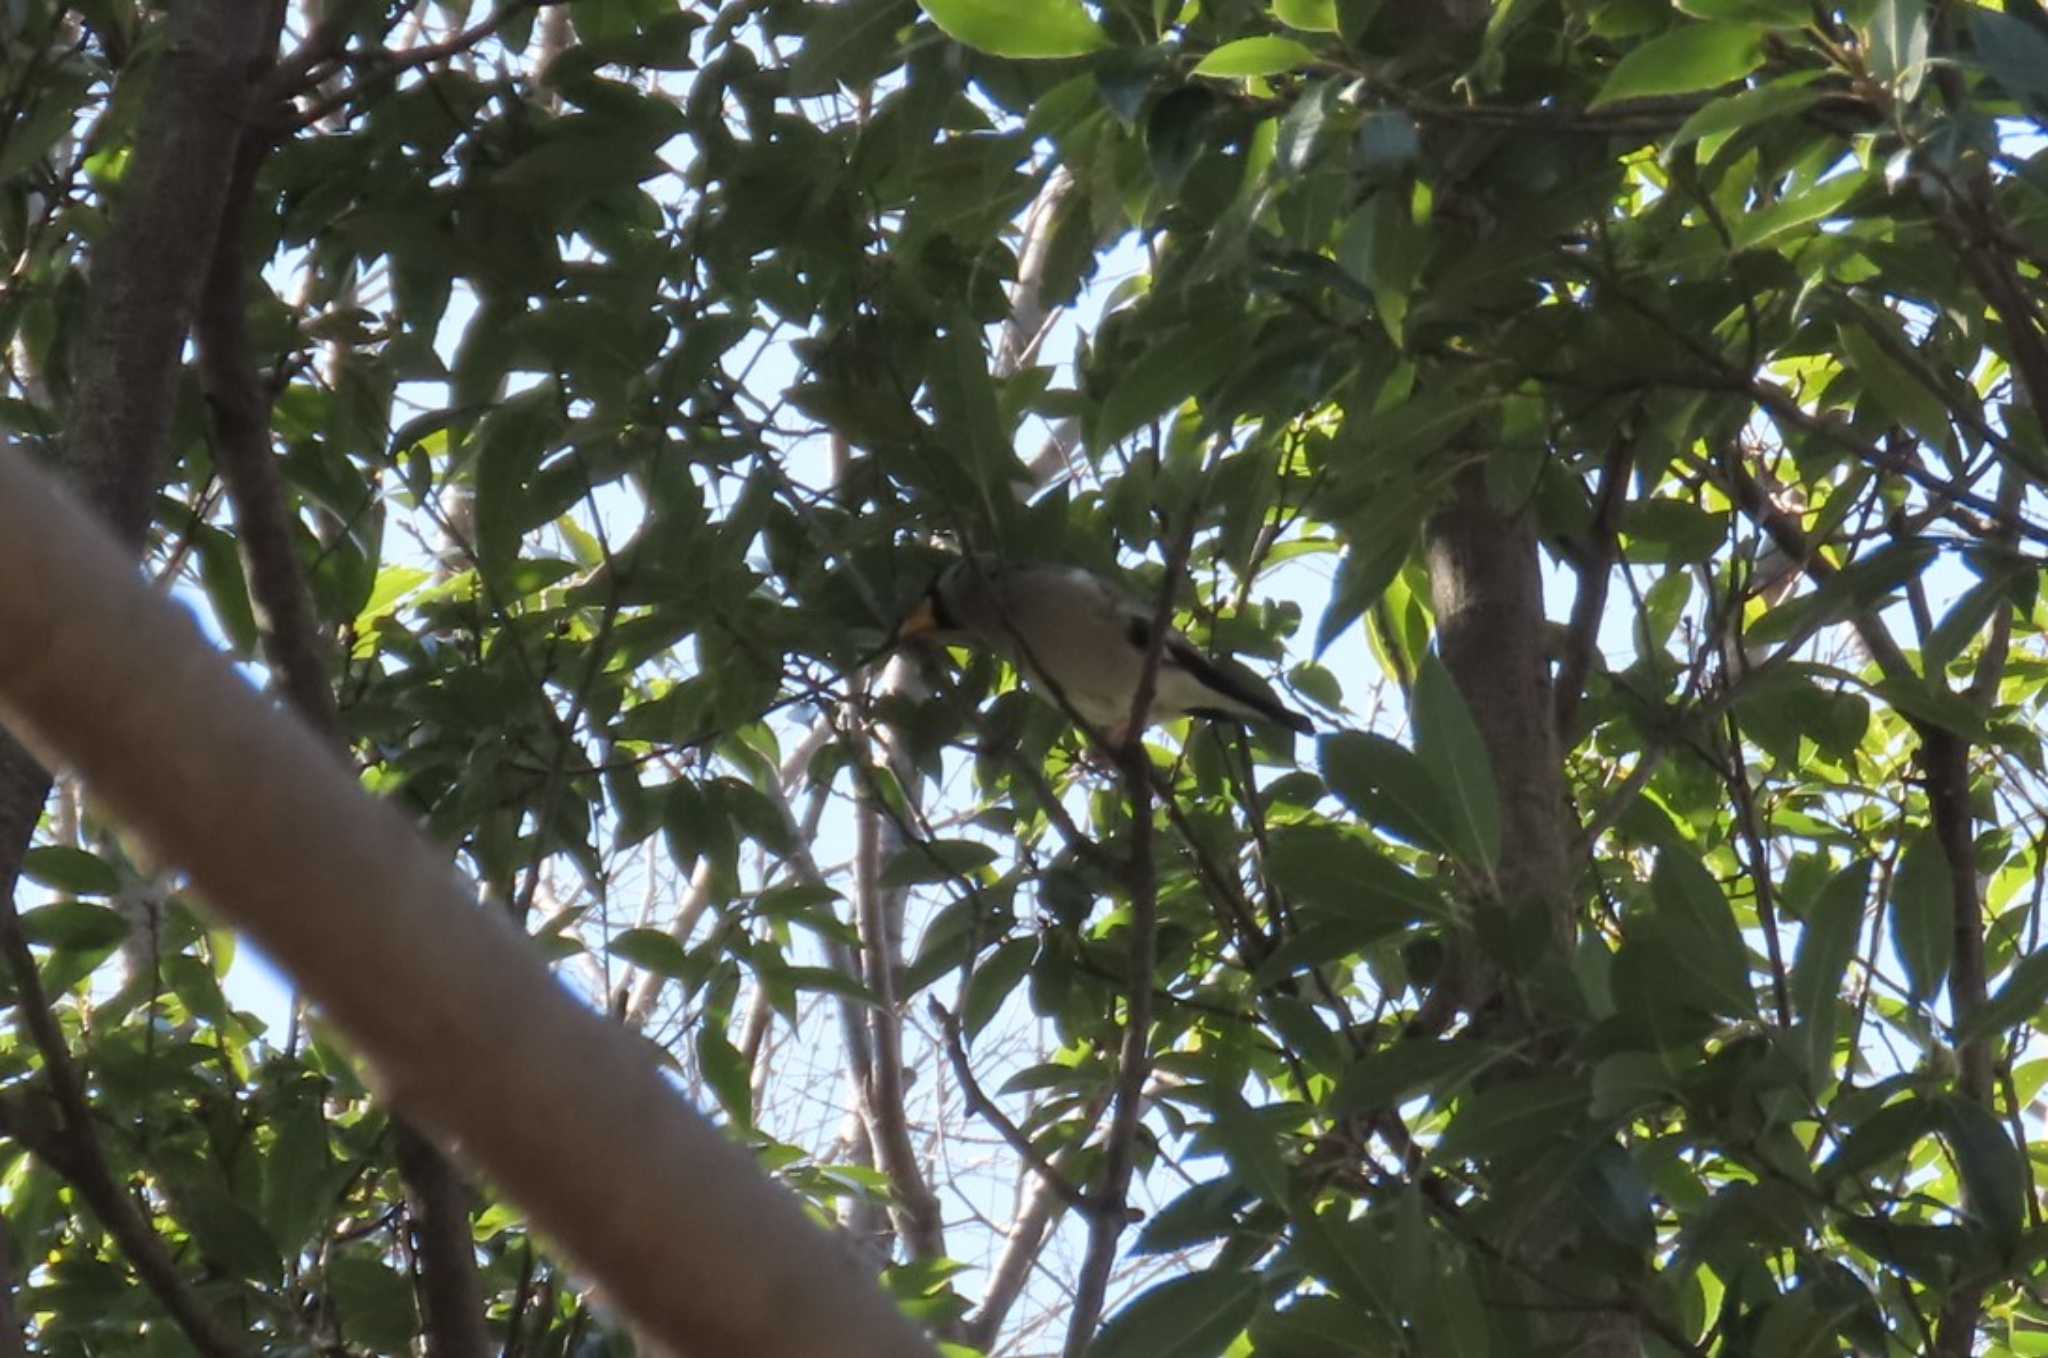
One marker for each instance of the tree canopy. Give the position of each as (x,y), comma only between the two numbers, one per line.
(1616,422)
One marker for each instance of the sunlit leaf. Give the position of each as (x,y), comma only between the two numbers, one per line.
(1019,28)
(1256,56)
(1691,57)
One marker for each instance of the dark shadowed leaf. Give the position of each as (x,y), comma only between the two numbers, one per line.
(1826,945)
(1923,915)
(1696,921)
(1994,1181)
(2022,996)
(993,980)
(1249,1144)
(1519,1115)
(1194,1316)
(1389,787)
(728,1072)
(2014,51)
(1200,1214)
(1448,743)
(936,861)
(1390,1077)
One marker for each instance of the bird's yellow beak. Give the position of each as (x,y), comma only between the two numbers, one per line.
(921,621)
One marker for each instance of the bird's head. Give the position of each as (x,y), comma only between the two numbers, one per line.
(943,611)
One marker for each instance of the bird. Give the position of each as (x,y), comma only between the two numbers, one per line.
(1084,639)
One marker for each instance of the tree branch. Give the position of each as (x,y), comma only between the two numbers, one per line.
(1590,603)
(145,282)
(1134,1055)
(979,1104)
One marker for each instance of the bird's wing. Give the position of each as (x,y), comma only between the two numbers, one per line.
(1250,697)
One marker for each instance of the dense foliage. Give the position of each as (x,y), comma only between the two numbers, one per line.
(629,367)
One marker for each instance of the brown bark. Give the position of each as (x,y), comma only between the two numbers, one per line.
(879,917)
(147,275)
(1486,584)
(145,281)
(438,1200)
(1487,588)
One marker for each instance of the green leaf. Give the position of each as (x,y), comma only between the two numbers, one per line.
(1881,1138)
(1694,57)
(1629,1081)
(1923,915)
(1383,246)
(1779,13)
(1338,870)
(1994,1182)
(1193,1316)
(298,1172)
(848,43)
(1898,45)
(939,860)
(374,1302)
(1200,1214)
(1251,1148)
(2013,50)
(1310,16)
(1801,209)
(1448,743)
(73,925)
(1389,787)
(1514,1116)
(1696,921)
(1375,551)
(1966,617)
(29,138)
(1826,945)
(1391,1076)
(1856,588)
(1903,397)
(1451,1314)
(654,951)
(227,589)
(1317,1325)
(2024,994)
(1175,368)
(1024,29)
(993,980)
(63,868)
(827,980)
(1256,57)
(228,1233)
(1785,97)
(728,1072)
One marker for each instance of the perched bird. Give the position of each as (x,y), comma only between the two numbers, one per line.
(1074,633)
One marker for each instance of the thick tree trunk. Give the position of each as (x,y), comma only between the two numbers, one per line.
(1486,584)
(146,279)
